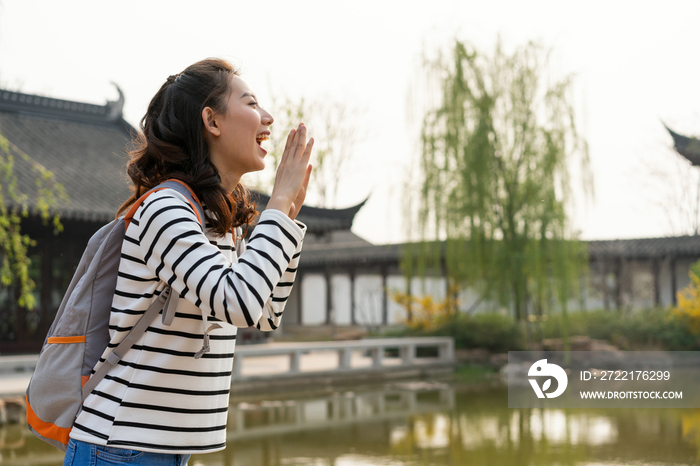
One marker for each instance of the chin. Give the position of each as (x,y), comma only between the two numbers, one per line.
(258,168)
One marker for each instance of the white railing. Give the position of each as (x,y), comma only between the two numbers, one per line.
(252,361)
(270,361)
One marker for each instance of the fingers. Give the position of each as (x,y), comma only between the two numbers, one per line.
(301,195)
(300,141)
(296,144)
(307,175)
(294,170)
(288,145)
(307,152)
(290,140)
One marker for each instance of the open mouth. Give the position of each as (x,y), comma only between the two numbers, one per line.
(261,138)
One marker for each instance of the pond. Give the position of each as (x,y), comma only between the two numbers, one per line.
(425,423)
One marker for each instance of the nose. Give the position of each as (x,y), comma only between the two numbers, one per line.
(265,117)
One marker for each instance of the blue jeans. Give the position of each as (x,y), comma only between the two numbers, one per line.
(88,454)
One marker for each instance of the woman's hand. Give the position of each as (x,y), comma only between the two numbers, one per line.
(293,174)
(301,195)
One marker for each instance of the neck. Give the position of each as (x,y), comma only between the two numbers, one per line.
(229,181)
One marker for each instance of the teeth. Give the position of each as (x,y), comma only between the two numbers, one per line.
(262,137)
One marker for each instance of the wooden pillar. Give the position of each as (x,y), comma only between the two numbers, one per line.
(353,321)
(674,283)
(409,311)
(385,306)
(618,283)
(329,297)
(300,280)
(604,283)
(656,271)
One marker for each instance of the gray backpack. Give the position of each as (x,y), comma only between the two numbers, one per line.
(80,332)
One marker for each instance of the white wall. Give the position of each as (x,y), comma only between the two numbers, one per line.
(593,288)
(340,285)
(433,286)
(313,299)
(642,284)
(368,299)
(468,297)
(396,314)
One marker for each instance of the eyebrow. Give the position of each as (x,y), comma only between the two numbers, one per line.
(248,94)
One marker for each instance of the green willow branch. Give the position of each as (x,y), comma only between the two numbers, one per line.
(496,146)
(14,206)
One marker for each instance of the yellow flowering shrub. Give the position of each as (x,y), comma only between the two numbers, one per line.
(690,425)
(424,312)
(688,307)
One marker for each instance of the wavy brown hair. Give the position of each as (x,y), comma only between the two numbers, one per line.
(171,144)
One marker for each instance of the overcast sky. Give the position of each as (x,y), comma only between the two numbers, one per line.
(635,64)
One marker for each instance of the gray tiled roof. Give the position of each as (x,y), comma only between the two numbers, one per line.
(338,255)
(646,247)
(84,146)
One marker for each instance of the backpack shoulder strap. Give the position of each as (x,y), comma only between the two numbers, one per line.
(125,345)
(186,191)
(178,186)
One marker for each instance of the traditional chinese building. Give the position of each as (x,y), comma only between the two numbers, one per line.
(343,280)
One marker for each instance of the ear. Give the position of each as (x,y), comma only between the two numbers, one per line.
(209,118)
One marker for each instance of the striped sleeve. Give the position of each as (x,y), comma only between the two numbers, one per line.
(236,293)
(274,307)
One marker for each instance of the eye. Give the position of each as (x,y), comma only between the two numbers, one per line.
(254,103)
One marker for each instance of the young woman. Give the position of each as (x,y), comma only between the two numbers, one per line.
(168,397)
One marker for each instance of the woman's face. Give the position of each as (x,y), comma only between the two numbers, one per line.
(235,137)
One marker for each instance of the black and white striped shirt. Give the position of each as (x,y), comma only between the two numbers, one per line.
(160,398)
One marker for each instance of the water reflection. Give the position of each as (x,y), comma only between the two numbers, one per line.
(426,424)
(267,418)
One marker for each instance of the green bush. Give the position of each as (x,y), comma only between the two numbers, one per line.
(490,331)
(655,329)
(649,329)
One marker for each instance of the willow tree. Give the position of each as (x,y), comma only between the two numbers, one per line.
(496,144)
(44,196)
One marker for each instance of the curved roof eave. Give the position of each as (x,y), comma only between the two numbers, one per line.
(330,219)
(688,147)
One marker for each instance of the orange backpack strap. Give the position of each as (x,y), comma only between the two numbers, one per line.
(165,185)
